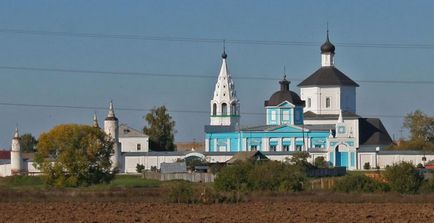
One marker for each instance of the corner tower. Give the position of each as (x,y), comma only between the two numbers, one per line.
(111,128)
(225,107)
(16,159)
(328,90)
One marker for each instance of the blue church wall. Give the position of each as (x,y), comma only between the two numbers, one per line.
(211,145)
(254,139)
(234,145)
(298,116)
(254,143)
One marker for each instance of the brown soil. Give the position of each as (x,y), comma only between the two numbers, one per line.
(291,208)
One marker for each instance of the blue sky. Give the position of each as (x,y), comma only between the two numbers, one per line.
(366,22)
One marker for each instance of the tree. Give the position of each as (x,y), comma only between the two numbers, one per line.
(74,155)
(403,177)
(160,129)
(421,128)
(28,143)
(420,125)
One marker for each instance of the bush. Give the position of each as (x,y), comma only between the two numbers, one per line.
(367,166)
(320,162)
(260,176)
(419,166)
(140,168)
(403,177)
(181,192)
(359,183)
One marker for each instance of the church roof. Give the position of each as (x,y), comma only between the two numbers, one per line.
(126,131)
(284,95)
(328,76)
(373,132)
(309,115)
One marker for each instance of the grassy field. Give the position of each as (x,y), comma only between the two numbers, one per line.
(36,182)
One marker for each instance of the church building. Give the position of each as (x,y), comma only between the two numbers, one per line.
(322,120)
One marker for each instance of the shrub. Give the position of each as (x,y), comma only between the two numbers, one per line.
(403,177)
(419,166)
(181,192)
(359,183)
(320,162)
(140,168)
(261,176)
(233,177)
(367,166)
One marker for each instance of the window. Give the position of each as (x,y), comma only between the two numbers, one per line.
(233,109)
(139,147)
(309,102)
(273,148)
(224,109)
(273,115)
(328,102)
(298,147)
(253,147)
(286,148)
(214,109)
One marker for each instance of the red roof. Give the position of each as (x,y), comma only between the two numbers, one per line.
(5,155)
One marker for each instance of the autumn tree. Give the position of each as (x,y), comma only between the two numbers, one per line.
(420,125)
(74,155)
(421,128)
(28,143)
(160,129)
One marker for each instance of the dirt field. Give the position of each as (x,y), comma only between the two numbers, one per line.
(246,212)
(300,209)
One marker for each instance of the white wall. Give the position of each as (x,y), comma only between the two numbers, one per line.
(340,98)
(129,144)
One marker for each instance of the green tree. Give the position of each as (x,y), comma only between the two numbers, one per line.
(420,125)
(28,143)
(160,129)
(74,155)
(403,177)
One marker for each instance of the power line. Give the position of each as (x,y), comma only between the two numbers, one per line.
(211,40)
(93,108)
(180,75)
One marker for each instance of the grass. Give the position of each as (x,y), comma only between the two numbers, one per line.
(14,182)
(129,181)
(36,182)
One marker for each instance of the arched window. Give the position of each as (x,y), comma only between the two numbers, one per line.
(233,109)
(327,102)
(224,109)
(214,109)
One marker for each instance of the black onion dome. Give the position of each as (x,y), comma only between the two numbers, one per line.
(224,55)
(284,95)
(327,47)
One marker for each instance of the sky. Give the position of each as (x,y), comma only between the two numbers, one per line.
(146,53)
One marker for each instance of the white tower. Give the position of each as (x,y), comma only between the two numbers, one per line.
(328,90)
(111,128)
(225,107)
(16,160)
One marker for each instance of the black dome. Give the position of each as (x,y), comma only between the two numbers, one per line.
(284,95)
(327,47)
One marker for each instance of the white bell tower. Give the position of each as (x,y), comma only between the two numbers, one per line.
(111,128)
(16,159)
(225,107)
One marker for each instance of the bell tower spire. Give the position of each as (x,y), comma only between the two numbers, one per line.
(225,106)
